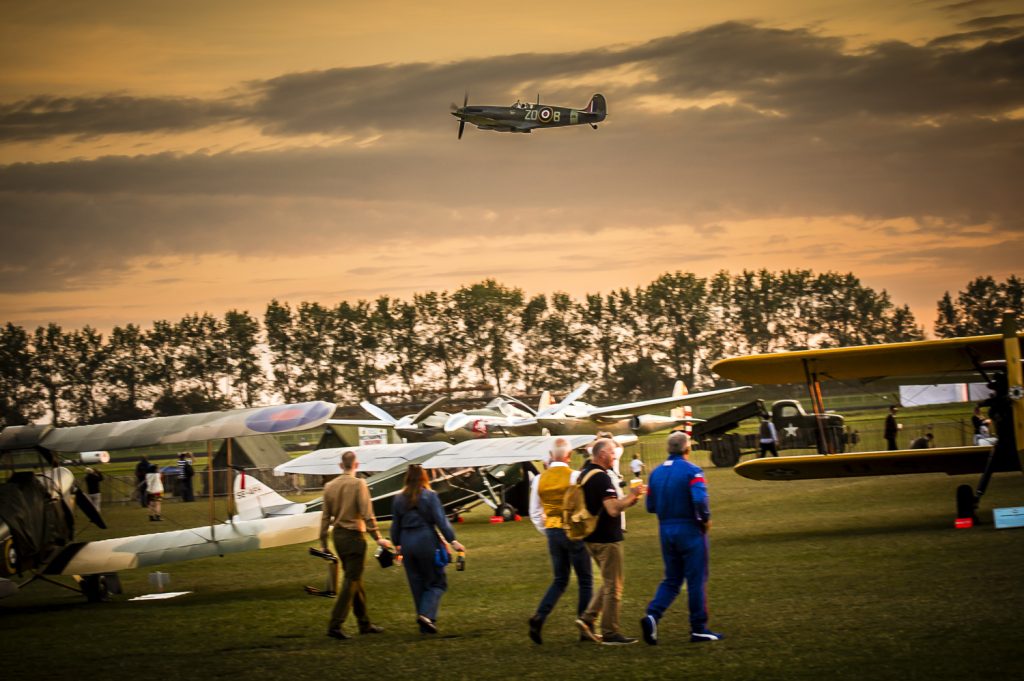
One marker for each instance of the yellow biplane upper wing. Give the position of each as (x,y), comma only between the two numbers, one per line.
(949,460)
(865,361)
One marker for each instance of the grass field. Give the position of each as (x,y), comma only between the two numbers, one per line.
(853,579)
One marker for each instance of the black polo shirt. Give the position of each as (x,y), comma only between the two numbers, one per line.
(595,491)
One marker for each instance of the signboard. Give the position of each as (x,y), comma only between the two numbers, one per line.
(372,436)
(1008,517)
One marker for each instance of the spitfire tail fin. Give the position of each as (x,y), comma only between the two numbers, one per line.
(545,401)
(597,105)
(684,411)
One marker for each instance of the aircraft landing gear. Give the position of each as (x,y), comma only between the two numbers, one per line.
(507,513)
(594,126)
(97,588)
(966,504)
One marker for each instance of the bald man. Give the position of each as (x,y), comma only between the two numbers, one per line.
(678,494)
(566,554)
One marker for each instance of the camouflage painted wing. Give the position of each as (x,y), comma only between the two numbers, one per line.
(188,427)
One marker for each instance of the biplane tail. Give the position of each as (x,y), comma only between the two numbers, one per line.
(255,500)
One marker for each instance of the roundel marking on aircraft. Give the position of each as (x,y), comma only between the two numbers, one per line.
(286,417)
(545,115)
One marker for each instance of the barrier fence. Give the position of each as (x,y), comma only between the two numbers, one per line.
(948,433)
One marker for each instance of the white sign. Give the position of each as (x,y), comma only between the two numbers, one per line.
(372,436)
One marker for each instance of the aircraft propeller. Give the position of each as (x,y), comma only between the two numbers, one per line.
(462,121)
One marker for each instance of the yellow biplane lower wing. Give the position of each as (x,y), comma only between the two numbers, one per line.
(949,460)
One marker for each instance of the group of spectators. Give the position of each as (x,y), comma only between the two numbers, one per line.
(420,534)
(149,483)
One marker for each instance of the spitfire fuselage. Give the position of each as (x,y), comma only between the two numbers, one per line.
(525,117)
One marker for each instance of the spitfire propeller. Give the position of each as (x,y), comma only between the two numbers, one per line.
(455,108)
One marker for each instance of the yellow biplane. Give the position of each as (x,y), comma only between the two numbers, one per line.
(997,357)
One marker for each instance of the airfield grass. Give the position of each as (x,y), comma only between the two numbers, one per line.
(845,579)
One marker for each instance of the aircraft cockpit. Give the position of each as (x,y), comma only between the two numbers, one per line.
(520,105)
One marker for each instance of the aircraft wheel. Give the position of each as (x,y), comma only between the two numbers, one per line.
(965,502)
(724,458)
(95,588)
(506,512)
(10,560)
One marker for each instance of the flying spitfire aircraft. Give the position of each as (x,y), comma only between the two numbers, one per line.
(37,508)
(996,357)
(524,117)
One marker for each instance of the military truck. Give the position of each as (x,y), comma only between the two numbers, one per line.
(796,430)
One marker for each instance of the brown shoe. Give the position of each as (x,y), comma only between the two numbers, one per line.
(338,634)
(587,630)
(370,629)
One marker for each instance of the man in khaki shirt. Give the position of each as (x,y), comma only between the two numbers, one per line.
(349,512)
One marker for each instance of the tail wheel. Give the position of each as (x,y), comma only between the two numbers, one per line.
(10,560)
(965,503)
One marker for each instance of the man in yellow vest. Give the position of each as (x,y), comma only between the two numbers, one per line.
(565,554)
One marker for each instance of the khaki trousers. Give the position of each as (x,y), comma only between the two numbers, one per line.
(350,547)
(608,599)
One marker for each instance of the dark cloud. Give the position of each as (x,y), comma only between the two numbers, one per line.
(989,22)
(44,116)
(805,128)
(994,33)
(793,72)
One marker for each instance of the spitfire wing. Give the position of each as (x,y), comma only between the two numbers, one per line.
(661,402)
(125,553)
(498,451)
(865,361)
(372,458)
(187,428)
(949,460)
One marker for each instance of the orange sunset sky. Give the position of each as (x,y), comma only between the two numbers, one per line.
(162,159)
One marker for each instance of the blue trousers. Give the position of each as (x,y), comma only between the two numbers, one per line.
(566,555)
(684,549)
(427,581)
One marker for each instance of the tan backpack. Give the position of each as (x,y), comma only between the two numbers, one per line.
(576,519)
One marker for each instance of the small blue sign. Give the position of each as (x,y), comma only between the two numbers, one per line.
(1008,517)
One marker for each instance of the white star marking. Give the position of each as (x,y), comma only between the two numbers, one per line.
(791,430)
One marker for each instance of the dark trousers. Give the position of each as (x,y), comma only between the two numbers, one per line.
(350,547)
(684,549)
(769,447)
(427,580)
(567,555)
(185,489)
(143,494)
(890,440)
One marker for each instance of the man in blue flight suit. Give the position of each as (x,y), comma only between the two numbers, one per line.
(678,494)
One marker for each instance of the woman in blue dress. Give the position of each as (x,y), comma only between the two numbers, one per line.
(417,517)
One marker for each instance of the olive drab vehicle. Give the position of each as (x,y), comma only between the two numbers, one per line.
(525,117)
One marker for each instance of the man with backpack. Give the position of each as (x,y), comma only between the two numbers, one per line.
(678,494)
(604,543)
(565,553)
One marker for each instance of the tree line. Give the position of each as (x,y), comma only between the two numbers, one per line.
(628,343)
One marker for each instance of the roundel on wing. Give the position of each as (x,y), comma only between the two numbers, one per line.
(545,115)
(286,417)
